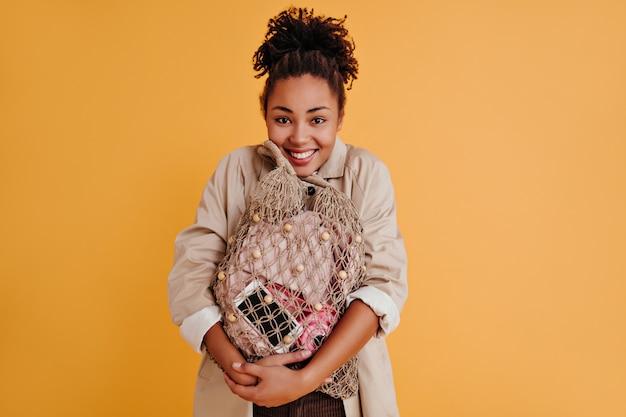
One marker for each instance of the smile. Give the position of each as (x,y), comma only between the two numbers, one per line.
(301,155)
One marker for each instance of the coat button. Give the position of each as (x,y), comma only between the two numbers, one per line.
(288,227)
(318,306)
(287,339)
(256,218)
(325,236)
(342,275)
(221,276)
(256,254)
(231,318)
(299,267)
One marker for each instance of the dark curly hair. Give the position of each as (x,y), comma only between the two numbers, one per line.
(298,43)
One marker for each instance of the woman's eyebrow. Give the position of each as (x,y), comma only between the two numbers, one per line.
(288,110)
(282,108)
(314,109)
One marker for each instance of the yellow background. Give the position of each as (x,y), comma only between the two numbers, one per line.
(503,124)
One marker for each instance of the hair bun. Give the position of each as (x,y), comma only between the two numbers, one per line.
(298,29)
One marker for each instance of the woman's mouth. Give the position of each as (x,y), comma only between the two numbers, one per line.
(301,155)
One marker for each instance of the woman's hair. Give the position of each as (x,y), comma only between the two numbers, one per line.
(298,43)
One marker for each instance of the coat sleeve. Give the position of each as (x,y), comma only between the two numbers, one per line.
(385,285)
(198,250)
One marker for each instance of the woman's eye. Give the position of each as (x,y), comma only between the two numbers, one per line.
(282,120)
(318,120)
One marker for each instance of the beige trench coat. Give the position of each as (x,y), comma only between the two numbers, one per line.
(200,247)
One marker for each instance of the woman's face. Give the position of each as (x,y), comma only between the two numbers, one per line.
(303,119)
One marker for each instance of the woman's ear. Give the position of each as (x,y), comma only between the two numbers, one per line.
(340,120)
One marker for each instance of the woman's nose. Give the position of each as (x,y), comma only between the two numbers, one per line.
(300,133)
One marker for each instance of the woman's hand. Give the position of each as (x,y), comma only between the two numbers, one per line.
(277,384)
(241,378)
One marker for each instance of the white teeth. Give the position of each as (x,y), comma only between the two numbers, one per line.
(301,155)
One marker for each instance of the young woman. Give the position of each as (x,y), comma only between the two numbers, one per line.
(308,60)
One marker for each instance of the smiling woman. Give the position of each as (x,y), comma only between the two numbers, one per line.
(502,124)
(291,296)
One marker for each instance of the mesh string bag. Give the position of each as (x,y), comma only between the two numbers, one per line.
(293,259)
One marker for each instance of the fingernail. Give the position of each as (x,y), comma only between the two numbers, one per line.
(306,353)
(236,365)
